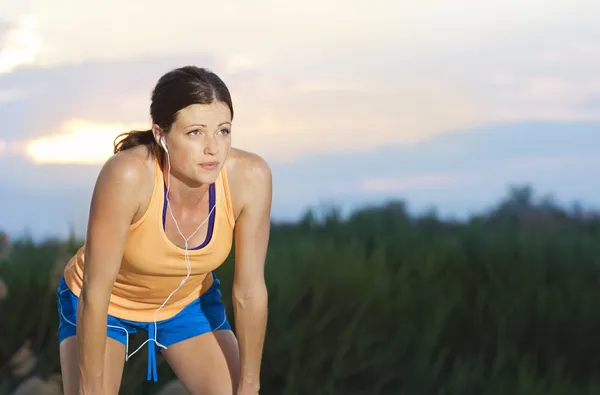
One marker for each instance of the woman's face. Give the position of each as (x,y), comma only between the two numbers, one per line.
(199,142)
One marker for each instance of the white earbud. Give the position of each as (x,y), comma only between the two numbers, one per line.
(164,145)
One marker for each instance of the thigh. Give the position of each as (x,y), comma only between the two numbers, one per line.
(117,336)
(114,361)
(207,364)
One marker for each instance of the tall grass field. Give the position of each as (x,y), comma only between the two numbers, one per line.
(381,302)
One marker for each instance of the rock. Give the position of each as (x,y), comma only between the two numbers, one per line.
(36,386)
(23,361)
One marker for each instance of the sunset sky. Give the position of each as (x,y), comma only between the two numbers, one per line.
(442,103)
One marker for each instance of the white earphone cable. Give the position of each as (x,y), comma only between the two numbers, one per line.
(186,254)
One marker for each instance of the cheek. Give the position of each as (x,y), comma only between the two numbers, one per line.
(225,144)
(187,154)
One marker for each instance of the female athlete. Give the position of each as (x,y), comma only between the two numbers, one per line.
(164,214)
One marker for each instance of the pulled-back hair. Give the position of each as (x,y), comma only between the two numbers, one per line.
(174,91)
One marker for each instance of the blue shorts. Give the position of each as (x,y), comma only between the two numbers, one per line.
(205,314)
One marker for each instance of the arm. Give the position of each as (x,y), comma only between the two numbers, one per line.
(114,204)
(250,298)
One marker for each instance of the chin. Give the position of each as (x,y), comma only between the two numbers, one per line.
(206,177)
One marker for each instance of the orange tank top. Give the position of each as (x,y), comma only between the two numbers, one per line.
(153,267)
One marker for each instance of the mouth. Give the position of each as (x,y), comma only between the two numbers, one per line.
(209,165)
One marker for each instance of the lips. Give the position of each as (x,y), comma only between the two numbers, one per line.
(209,165)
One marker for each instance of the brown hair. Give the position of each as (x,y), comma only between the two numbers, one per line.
(174,91)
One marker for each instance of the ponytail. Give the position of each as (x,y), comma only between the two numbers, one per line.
(133,139)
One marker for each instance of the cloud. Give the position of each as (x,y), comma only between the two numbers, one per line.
(550,75)
(275,116)
(107,93)
(547,96)
(130,35)
(20,45)
(358,79)
(575,52)
(80,142)
(10,95)
(280,30)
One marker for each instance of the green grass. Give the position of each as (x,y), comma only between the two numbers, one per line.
(385,303)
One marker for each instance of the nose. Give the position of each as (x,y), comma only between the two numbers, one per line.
(212,147)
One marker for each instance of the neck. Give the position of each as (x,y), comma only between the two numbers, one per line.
(184,195)
(182,192)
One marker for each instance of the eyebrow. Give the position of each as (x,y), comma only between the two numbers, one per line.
(204,126)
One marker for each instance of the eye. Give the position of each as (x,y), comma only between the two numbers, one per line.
(225,131)
(194,132)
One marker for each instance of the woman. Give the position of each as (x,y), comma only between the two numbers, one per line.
(164,214)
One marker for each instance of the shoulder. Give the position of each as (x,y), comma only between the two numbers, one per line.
(128,169)
(125,180)
(248,166)
(250,179)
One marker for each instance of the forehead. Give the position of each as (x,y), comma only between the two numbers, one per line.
(204,114)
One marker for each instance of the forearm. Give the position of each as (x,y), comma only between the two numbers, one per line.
(91,343)
(250,308)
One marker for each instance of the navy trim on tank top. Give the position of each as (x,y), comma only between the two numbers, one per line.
(211,222)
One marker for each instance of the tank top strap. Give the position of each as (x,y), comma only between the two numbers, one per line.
(155,198)
(223,185)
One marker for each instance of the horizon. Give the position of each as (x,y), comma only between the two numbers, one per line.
(320,212)
(418,102)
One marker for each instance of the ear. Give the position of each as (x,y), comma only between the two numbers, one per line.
(158,135)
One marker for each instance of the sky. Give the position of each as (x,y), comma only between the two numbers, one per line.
(440,103)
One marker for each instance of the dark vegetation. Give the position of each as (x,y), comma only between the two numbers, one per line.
(382,302)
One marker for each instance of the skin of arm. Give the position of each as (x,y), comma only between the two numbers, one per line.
(250,299)
(115,201)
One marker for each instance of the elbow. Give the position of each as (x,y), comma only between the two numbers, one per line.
(94,298)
